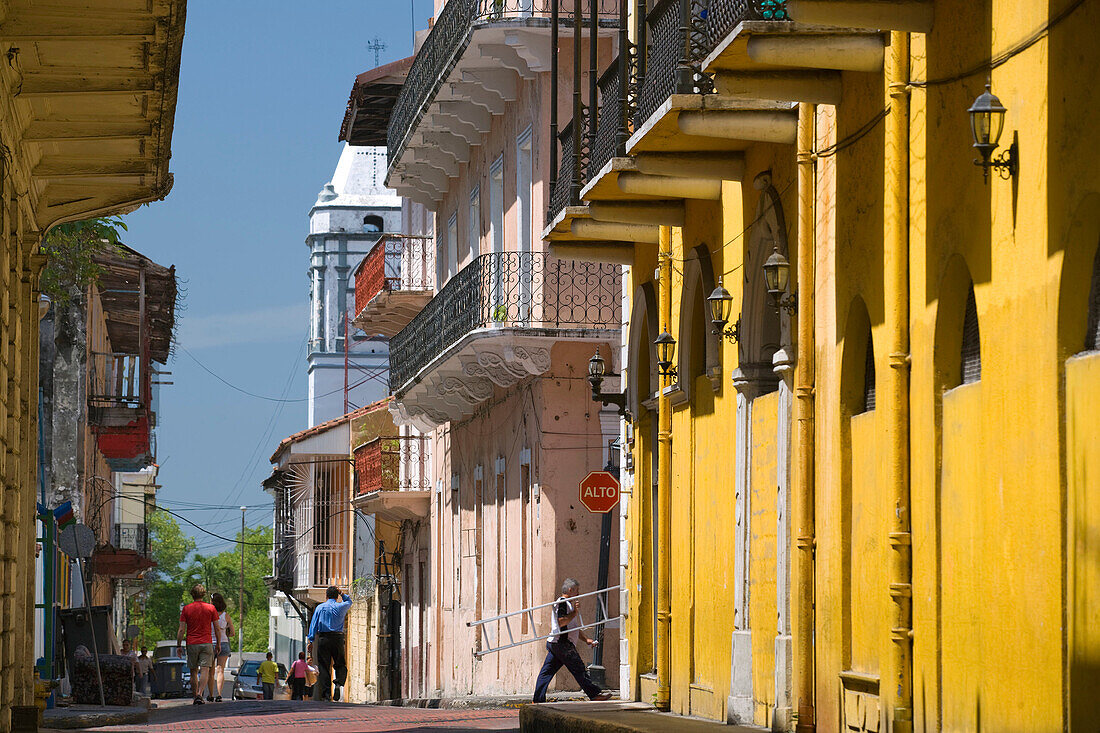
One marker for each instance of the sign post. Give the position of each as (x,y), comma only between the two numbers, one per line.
(599,492)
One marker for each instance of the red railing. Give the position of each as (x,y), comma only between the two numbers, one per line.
(395,263)
(392,464)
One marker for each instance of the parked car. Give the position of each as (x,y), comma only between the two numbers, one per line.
(246,687)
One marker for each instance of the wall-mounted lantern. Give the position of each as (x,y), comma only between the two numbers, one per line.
(777,273)
(987,119)
(721,302)
(666,350)
(597,370)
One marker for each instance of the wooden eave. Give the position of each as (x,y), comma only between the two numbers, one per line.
(88,98)
(367,118)
(119,284)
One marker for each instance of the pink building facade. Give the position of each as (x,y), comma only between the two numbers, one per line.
(492,368)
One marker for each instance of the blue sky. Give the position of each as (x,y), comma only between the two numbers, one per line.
(262,93)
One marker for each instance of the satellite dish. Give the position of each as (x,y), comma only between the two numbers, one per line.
(77,540)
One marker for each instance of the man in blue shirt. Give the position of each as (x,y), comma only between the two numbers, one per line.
(326,632)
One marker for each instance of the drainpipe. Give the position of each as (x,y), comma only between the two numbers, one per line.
(896,291)
(804,411)
(663,652)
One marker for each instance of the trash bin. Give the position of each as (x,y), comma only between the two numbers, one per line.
(168,678)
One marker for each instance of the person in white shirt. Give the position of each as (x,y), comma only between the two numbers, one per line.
(561,646)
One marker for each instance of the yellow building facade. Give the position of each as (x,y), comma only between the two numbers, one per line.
(878,508)
(88,96)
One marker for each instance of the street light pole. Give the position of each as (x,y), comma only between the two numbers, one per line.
(240,604)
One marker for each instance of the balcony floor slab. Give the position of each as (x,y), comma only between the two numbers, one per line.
(395,506)
(560,229)
(464,376)
(391,310)
(661,132)
(732,53)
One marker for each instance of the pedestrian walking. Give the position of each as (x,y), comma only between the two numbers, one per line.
(145,671)
(326,634)
(196,620)
(296,677)
(223,629)
(266,675)
(129,653)
(561,646)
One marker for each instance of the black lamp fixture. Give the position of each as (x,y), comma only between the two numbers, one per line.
(720,302)
(987,120)
(777,273)
(597,370)
(666,350)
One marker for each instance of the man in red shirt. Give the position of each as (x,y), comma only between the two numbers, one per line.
(197,619)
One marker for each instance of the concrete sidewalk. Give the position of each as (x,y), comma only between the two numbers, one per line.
(614,717)
(513,702)
(94,716)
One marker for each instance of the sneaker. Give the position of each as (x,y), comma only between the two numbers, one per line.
(218,698)
(602,696)
(336,693)
(198,701)
(210,698)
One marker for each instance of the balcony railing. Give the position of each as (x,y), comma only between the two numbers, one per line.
(327,566)
(398,463)
(571,170)
(115,380)
(131,537)
(508,290)
(395,263)
(672,63)
(612,119)
(448,40)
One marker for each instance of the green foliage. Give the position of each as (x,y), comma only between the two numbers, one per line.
(71,249)
(179,567)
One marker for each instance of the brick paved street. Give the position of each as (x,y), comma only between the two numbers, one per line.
(283,715)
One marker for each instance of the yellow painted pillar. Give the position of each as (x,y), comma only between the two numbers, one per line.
(896,402)
(663,651)
(804,415)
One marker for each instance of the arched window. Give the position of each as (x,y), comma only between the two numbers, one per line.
(869,375)
(372,223)
(1092,335)
(971,366)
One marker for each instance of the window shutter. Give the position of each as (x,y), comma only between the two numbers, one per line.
(971,342)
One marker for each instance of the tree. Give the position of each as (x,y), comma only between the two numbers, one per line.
(166,585)
(70,250)
(178,568)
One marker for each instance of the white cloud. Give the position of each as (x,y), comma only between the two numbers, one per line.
(264,325)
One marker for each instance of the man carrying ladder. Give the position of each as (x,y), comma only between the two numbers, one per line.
(561,646)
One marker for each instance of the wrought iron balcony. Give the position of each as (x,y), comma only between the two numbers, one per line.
(131,537)
(393,282)
(452,34)
(613,116)
(398,463)
(672,61)
(571,170)
(530,291)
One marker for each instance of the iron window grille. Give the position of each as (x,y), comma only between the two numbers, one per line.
(971,367)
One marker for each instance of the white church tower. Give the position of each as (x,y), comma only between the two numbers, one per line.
(350,213)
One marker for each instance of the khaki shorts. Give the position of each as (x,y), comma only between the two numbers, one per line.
(200,655)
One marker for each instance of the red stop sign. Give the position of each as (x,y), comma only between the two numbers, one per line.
(600,492)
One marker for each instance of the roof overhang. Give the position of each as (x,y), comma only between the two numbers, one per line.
(93,101)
